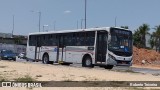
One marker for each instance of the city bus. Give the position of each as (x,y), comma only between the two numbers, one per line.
(106,47)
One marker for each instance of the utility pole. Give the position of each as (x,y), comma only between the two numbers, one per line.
(85,14)
(77,24)
(82,23)
(13,26)
(115,21)
(39,21)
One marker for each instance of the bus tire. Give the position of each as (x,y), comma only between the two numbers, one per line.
(14,59)
(45,59)
(66,64)
(87,62)
(108,67)
(27,59)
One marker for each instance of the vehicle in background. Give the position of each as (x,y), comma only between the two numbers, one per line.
(7,55)
(22,55)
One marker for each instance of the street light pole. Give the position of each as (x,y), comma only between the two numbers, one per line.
(39,21)
(115,21)
(82,23)
(13,26)
(85,13)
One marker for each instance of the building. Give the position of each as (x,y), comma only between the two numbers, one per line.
(16,43)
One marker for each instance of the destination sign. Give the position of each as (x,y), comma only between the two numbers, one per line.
(119,31)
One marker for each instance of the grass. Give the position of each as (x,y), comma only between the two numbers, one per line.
(2,79)
(3,66)
(128,70)
(26,78)
(38,75)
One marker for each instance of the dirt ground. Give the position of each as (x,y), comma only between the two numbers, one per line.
(146,57)
(10,70)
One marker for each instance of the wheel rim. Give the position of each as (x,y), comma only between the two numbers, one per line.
(88,62)
(45,60)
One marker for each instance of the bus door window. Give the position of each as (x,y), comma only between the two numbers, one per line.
(101,46)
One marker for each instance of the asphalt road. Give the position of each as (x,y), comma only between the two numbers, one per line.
(155,72)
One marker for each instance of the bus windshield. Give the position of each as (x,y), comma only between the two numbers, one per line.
(121,42)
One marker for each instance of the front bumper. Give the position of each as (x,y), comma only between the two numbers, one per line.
(116,62)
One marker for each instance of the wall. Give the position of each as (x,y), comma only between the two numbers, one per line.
(15,48)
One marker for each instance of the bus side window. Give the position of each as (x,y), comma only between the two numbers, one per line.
(65,40)
(73,39)
(78,43)
(68,39)
(52,40)
(32,40)
(81,39)
(90,38)
(38,41)
(43,40)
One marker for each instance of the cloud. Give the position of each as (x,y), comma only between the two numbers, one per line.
(67,11)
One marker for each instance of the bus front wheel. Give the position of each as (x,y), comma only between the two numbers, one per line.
(45,59)
(108,67)
(87,62)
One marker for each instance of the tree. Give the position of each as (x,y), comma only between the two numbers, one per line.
(137,39)
(17,40)
(152,42)
(139,36)
(143,30)
(156,34)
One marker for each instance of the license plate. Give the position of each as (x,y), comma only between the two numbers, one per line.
(123,62)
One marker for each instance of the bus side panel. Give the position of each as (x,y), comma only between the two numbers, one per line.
(51,51)
(30,52)
(75,54)
(62,54)
(38,53)
(68,54)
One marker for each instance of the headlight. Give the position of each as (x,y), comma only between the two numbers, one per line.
(5,56)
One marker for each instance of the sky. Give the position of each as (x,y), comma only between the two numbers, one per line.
(69,14)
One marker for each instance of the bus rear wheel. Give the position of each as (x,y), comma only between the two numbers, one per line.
(108,67)
(45,59)
(87,62)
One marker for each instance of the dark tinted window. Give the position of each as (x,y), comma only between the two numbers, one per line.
(32,40)
(67,39)
(52,40)
(90,38)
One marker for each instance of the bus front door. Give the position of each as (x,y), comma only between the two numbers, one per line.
(101,47)
(60,49)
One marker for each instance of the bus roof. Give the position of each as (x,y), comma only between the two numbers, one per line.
(75,30)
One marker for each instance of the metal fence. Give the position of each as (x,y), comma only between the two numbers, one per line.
(15,48)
